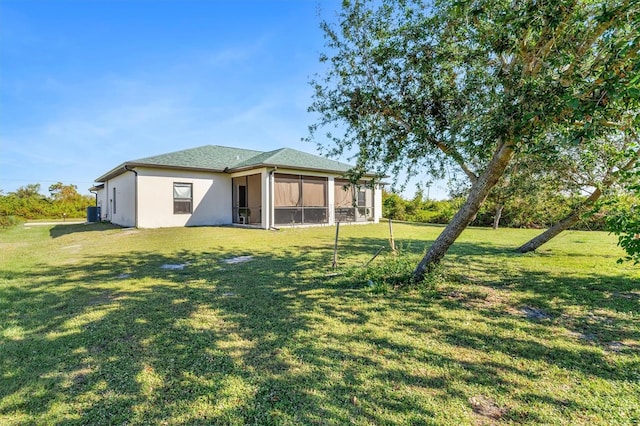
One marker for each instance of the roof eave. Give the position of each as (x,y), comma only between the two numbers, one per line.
(284,166)
(124,166)
(116,171)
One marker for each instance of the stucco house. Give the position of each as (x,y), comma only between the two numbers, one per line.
(217,185)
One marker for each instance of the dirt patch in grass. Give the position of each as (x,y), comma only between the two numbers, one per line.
(237,259)
(486,410)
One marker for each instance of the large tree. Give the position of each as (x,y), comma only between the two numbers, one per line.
(31,190)
(411,85)
(606,168)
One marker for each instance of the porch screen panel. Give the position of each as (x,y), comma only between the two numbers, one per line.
(314,199)
(343,198)
(300,199)
(286,191)
(238,197)
(237,181)
(314,192)
(343,201)
(254,198)
(365,204)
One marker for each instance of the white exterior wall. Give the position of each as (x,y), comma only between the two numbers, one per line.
(331,200)
(267,194)
(211,194)
(124,185)
(377,204)
(102,202)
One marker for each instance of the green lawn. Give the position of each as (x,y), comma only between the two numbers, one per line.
(93,329)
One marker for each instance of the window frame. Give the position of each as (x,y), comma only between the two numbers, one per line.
(182,201)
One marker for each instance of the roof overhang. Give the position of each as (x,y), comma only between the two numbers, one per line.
(284,166)
(124,167)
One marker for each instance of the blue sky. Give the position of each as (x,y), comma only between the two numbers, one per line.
(86,85)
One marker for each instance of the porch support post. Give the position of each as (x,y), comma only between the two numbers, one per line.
(377,203)
(267,196)
(331,192)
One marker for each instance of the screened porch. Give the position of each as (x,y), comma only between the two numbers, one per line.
(300,199)
(247,199)
(351,203)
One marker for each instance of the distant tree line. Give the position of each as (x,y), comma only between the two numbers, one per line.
(516,212)
(28,203)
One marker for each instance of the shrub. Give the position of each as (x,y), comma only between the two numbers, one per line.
(393,271)
(9,221)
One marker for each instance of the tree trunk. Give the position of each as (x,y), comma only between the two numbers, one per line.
(563,225)
(573,218)
(498,215)
(467,213)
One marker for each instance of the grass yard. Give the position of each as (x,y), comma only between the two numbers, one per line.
(100,325)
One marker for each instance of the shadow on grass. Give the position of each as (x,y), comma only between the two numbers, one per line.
(188,338)
(63,229)
(199,340)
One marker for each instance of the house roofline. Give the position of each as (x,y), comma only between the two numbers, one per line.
(287,167)
(123,168)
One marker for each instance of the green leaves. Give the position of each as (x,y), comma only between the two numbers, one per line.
(414,84)
(457,86)
(27,202)
(624,220)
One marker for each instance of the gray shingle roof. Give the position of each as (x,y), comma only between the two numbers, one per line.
(208,157)
(287,157)
(222,158)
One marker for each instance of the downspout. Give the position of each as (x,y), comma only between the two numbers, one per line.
(96,194)
(135,195)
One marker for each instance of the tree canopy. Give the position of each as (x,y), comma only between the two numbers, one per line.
(414,86)
(26,202)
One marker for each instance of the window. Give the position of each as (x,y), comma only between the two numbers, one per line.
(182,198)
(114,201)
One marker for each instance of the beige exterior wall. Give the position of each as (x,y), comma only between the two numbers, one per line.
(123,186)
(211,194)
(103,203)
